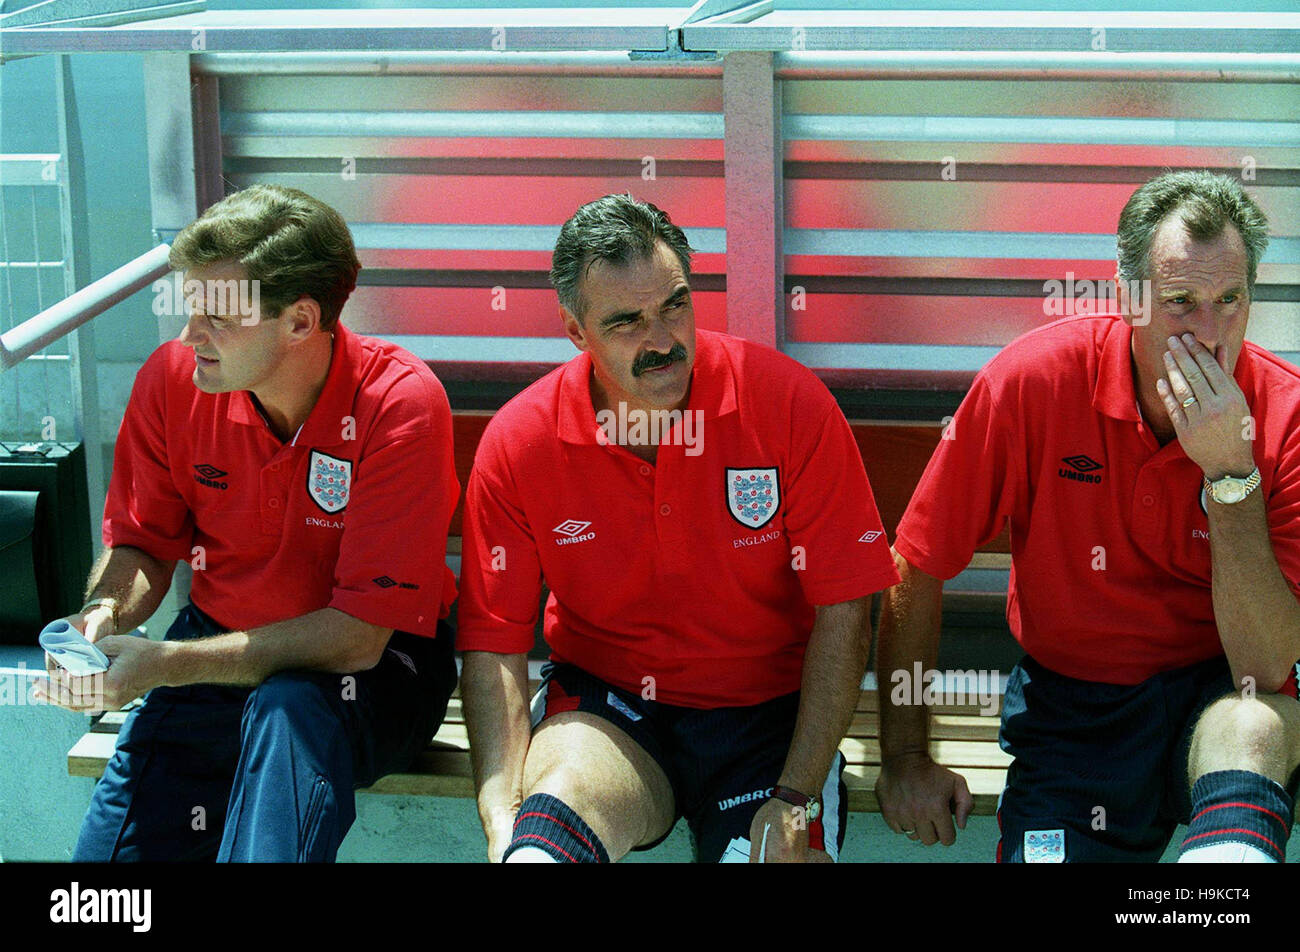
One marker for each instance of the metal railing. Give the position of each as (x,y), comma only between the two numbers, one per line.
(38,332)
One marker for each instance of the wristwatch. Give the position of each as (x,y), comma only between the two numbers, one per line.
(111,604)
(1231,489)
(812,806)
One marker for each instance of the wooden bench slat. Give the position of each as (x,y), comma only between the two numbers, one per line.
(859,749)
(985,786)
(109,723)
(90,755)
(942,726)
(455,735)
(868,703)
(961,739)
(867,724)
(951,753)
(450,777)
(437,773)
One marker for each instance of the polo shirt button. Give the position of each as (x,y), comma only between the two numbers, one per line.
(665,509)
(273,502)
(275,467)
(1148,500)
(645,470)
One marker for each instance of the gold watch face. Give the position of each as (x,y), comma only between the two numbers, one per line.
(1229,490)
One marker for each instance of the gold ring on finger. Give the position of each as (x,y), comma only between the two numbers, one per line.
(1188,402)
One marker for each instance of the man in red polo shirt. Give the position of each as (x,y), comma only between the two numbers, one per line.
(698,508)
(306,474)
(1149,470)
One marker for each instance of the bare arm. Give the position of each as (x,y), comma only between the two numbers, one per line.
(833,664)
(915,793)
(134,580)
(909,632)
(1257,615)
(323,640)
(494,690)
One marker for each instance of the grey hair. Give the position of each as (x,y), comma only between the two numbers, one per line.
(617,229)
(1205,202)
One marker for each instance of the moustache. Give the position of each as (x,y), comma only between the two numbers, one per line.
(653,360)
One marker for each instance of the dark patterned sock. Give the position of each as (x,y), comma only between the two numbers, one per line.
(1239,807)
(547,823)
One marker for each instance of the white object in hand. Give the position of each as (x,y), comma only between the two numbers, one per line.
(71,651)
(737,851)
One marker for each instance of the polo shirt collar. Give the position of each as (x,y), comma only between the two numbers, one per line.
(240,409)
(713,389)
(324,426)
(1113,393)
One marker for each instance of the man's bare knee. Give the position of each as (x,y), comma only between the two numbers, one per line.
(1260,734)
(602,775)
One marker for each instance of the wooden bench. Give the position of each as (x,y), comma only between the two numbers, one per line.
(961,738)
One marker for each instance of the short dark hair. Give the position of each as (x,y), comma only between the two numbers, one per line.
(1206,202)
(616,228)
(292,244)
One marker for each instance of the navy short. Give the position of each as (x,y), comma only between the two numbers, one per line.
(1100,770)
(722,763)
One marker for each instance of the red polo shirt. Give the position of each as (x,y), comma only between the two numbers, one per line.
(701,570)
(352,513)
(1110,547)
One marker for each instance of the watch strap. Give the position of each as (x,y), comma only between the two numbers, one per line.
(111,604)
(1251,483)
(792,796)
(811,806)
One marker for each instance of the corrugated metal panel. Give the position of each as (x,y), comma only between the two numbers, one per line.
(918,215)
(455,215)
(943,230)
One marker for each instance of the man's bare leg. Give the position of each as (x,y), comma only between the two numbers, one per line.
(603,776)
(1244,751)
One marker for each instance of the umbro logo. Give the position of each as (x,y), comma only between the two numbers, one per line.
(870,536)
(1084,464)
(570,527)
(205,474)
(1080,468)
(761,794)
(573,530)
(385,582)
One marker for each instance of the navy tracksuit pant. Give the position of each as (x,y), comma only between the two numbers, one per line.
(263,774)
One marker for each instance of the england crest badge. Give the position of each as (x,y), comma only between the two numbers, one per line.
(328,481)
(1045,846)
(753,495)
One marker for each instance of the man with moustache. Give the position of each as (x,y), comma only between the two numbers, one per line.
(1149,469)
(708,616)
